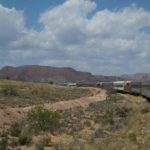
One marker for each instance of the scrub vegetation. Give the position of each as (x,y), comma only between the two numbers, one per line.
(21,94)
(119,122)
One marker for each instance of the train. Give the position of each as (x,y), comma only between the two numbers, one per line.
(131,87)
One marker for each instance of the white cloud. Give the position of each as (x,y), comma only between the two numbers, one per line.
(73,35)
(11,25)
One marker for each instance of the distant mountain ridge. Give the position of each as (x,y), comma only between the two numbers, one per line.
(137,77)
(36,73)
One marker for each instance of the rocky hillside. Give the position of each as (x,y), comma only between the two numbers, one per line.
(36,73)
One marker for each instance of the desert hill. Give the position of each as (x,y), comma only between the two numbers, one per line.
(36,73)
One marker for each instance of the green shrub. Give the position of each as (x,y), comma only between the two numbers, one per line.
(110,93)
(24,139)
(44,142)
(113,97)
(132,136)
(123,111)
(3,141)
(42,119)
(15,129)
(99,133)
(39,146)
(51,82)
(108,118)
(9,90)
(145,110)
(87,123)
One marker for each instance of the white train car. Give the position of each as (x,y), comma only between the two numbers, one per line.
(145,91)
(118,85)
(122,86)
(136,88)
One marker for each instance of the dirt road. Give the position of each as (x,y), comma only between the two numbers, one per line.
(98,95)
(8,115)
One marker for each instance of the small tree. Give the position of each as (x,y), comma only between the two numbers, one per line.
(42,119)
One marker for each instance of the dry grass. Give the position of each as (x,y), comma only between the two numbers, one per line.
(21,94)
(85,128)
(120,123)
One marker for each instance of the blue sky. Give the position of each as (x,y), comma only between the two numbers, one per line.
(100,36)
(33,8)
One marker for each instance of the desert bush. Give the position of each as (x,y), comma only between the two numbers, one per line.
(51,82)
(9,90)
(132,136)
(46,140)
(60,146)
(145,110)
(42,143)
(123,111)
(39,146)
(108,118)
(109,93)
(113,97)
(15,129)
(42,119)
(4,141)
(99,133)
(87,123)
(24,139)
